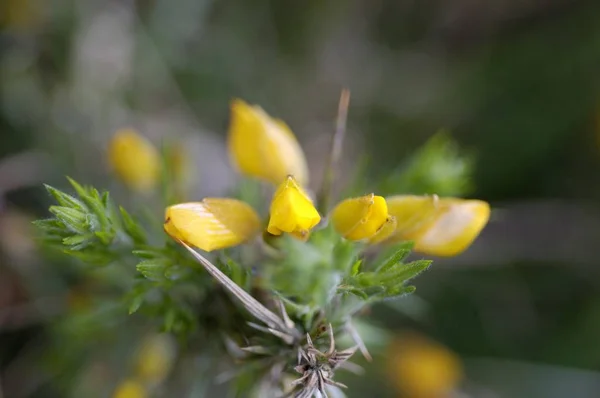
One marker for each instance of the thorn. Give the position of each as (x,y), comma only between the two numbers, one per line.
(358,341)
(331,341)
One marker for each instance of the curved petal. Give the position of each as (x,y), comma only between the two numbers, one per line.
(441,227)
(263,147)
(214,223)
(292,211)
(360,218)
(455,229)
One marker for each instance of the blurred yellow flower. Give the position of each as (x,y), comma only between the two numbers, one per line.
(292,211)
(361,218)
(438,226)
(155,358)
(264,147)
(130,389)
(422,368)
(214,223)
(134,159)
(179,162)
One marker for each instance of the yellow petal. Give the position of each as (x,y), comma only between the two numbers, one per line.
(413,213)
(455,229)
(422,368)
(134,159)
(292,211)
(130,389)
(440,227)
(360,218)
(386,230)
(263,147)
(214,223)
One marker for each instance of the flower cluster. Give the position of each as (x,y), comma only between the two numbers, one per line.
(265,148)
(310,274)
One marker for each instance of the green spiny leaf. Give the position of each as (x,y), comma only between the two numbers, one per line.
(404,272)
(153,269)
(92,255)
(52,226)
(136,303)
(401,252)
(149,253)
(66,200)
(132,228)
(78,242)
(356,267)
(73,219)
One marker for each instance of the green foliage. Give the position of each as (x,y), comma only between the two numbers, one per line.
(316,281)
(438,167)
(387,279)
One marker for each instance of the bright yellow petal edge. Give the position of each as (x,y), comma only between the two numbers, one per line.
(263,147)
(214,223)
(134,159)
(292,211)
(365,217)
(441,227)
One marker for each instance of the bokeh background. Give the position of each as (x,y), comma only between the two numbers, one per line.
(515,82)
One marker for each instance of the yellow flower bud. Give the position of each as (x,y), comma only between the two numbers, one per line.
(292,211)
(440,227)
(155,358)
(361,218)
(134,159)
(214,223)
(264,147)
(421,368)
(130,389)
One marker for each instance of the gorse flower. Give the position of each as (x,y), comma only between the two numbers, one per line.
(292,211)
(214,223)
(266,148)
(293,290)
(363,218)
(438,226)
(263,147)
(134,160)
(422,368)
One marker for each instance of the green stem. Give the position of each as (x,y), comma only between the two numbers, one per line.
(326,192)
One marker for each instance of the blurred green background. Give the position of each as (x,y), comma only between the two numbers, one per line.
(516,83)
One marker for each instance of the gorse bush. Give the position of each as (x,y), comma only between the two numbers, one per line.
(260,290)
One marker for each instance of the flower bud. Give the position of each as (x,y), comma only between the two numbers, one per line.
(130,389)
(214,223)
(361,218)
(155,358)
(292,211)
(135,160)
(440,227)
(263,147)
(422,368)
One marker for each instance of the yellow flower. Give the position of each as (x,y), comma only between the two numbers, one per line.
(264,147)
(440,227)
(362,218)
(292,211)
(130,389)
(421,368)
(214,223)
(155,358)
(134,160)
